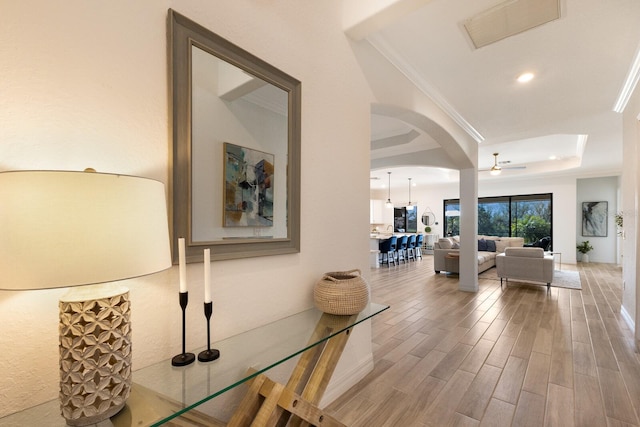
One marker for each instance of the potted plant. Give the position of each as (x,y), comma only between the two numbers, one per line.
(619,222)
(584,249)
(427,229)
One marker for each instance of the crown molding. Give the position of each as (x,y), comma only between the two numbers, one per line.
(425,87)
(629,84)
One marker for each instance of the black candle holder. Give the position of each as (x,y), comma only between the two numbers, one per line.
(184,358)
(209,354)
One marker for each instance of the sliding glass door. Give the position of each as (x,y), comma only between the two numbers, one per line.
(451,217)
(529,216)
(494,216)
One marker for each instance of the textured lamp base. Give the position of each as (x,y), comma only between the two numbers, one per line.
(95,356)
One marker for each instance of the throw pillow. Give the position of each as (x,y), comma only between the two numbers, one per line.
(491,245)
(482,245)
(444,243)
(455,245)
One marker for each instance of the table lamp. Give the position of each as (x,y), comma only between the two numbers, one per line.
(65,229)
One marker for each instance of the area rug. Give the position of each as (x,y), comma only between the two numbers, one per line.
(561,278)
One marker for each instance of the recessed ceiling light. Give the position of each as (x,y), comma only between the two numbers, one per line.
(525,77)
(552,157)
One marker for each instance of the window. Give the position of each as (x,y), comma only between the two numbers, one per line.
(412,219)
(528,216)
(451,217)
(405,219)
(494,216)
(531,217)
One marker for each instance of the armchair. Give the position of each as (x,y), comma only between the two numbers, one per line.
(528,264)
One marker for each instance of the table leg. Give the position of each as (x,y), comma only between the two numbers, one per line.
(295,404)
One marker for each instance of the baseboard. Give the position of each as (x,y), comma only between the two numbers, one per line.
(340,385)
(627,318)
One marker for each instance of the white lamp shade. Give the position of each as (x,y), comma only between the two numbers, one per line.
(60,229)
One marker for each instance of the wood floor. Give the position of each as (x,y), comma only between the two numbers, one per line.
(518,357)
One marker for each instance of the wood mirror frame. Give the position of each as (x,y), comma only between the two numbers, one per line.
(185,34)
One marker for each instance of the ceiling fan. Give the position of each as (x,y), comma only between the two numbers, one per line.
(496,169)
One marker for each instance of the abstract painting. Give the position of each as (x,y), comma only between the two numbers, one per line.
(594,219)
(248,191)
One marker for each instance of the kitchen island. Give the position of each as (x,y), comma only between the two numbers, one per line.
(374,244)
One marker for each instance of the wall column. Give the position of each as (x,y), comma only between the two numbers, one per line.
(631,225)
(468,230)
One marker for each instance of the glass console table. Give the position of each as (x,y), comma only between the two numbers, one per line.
(164,394)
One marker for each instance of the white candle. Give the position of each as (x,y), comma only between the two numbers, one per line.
(207,275)
(182,265)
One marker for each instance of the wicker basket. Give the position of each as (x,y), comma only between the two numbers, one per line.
(341,292)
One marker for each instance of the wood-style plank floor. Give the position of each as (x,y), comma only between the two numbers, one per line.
(518,357)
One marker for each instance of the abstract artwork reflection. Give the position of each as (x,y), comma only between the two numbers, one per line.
(248,192)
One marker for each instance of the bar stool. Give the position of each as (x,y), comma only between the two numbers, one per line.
(419,242)
(387,251)
(401,248)
(411,247)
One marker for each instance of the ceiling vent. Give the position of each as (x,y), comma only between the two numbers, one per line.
(509,18)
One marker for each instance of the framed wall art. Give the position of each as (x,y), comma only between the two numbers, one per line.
(248,187)
(594,219)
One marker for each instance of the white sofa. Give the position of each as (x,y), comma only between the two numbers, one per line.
(486,258)
(528,264)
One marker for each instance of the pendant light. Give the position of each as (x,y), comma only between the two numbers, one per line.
(388,202)
(409,192)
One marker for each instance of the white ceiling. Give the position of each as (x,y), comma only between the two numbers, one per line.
(580,63)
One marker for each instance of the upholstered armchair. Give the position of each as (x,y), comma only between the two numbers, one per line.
(529,264)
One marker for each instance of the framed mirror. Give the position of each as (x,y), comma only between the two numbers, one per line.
(236,148)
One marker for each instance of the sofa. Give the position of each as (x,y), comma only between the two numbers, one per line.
(488,248)
(530,264)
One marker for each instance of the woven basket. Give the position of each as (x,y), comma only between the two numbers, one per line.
(341,292)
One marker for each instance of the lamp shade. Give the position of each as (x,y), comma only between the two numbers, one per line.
(60,228)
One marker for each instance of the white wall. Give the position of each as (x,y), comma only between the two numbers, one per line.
(85,84)
(630,196)
(605,249)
